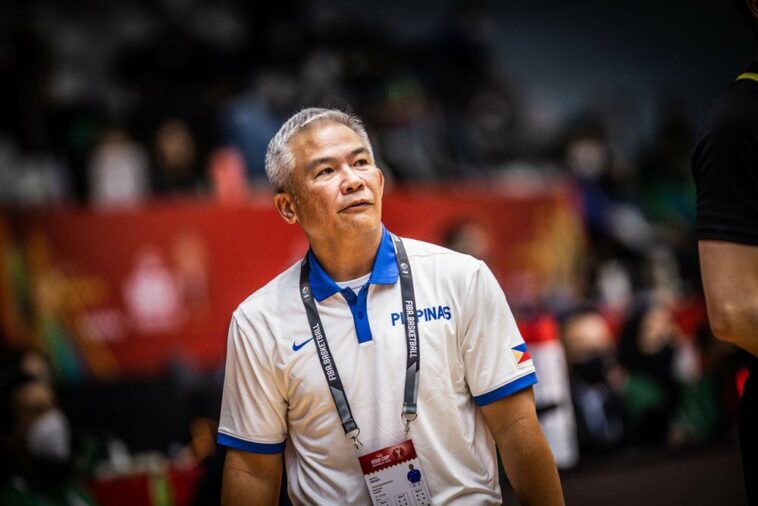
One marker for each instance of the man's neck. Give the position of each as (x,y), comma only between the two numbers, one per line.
(349,258)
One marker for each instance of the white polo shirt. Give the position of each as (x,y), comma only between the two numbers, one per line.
(276,397)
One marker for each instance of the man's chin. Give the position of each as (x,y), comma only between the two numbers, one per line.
(362,222)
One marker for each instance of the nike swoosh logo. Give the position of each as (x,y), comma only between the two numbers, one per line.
(296,346)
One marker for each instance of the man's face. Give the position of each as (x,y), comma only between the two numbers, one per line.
(335,188)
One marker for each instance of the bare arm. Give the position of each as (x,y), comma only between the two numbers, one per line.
(730,281)
(251,479)
(527,458)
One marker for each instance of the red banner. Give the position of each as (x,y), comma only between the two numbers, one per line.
(125,292)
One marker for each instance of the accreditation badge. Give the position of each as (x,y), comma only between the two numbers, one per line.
(394,476)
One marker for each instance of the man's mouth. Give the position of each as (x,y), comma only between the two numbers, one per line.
(356,206)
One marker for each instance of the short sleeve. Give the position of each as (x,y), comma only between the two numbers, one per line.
(253,410)
(725,170)
(495,356)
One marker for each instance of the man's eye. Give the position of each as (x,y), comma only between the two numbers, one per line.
(325,171)
(361,162)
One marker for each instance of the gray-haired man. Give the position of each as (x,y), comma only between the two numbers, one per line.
(374,353)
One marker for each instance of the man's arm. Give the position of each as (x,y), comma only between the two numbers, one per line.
(730,282)
(527,458)
(251,479)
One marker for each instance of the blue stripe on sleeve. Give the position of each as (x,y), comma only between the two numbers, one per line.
(506,390)
(249,446)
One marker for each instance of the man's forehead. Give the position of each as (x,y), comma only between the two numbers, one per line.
(323,134)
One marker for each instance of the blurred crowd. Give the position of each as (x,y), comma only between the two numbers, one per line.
(58,449)
(135,99)
(131,101)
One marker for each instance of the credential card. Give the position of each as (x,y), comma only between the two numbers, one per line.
(394,476)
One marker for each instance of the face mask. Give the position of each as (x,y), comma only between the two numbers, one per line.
(593,370)
(49,437)
(659,365)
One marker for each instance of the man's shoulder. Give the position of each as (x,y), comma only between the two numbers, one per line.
(426,250)
(265,299)
(736,109)
(419,248)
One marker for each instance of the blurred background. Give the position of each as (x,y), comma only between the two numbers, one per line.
(551,139)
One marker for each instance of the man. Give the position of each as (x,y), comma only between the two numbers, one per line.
(725,169)
(367,327)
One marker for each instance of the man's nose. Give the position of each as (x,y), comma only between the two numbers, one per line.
(352,179)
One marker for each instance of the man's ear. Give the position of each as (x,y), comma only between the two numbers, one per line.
(753,6)
(285,204)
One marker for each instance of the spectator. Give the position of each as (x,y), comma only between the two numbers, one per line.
(709,405)
(659,368)
(176,158)
(36,447)
(118,171)
(596,381)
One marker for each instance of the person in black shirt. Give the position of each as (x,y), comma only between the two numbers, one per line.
(725,169)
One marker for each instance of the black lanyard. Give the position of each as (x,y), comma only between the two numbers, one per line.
(327,360)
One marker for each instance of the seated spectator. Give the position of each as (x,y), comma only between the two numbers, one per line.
(595,381)
(35,444)
(652,392)
(709,406)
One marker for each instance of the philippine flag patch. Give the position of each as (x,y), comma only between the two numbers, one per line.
(521,354)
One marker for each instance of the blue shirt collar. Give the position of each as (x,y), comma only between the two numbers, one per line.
(384,271)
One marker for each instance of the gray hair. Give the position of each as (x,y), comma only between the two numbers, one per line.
(280,161)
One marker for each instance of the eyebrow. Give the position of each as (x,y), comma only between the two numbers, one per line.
(327,159)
